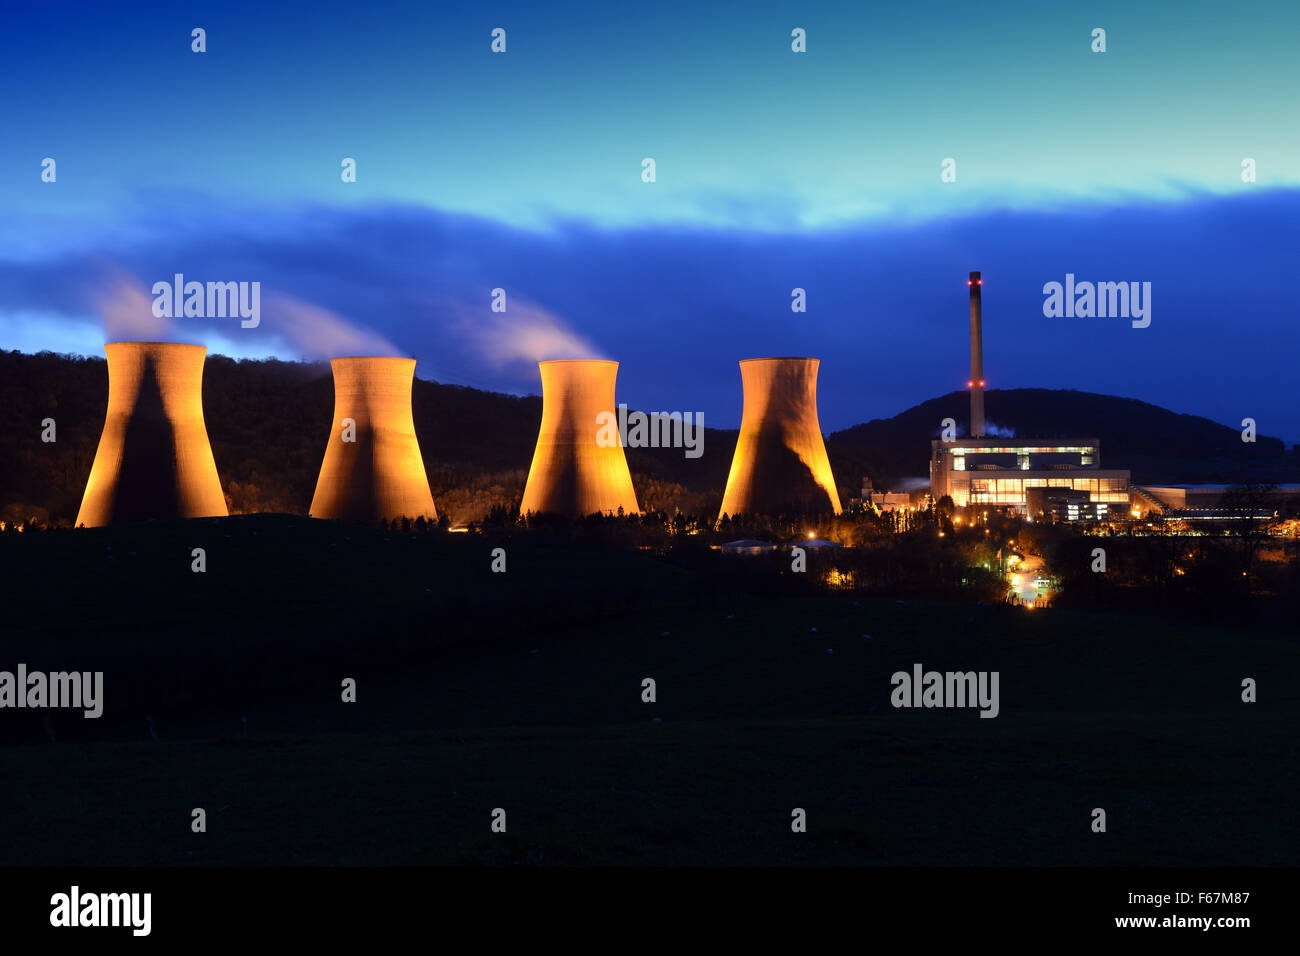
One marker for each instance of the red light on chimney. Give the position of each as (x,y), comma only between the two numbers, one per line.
(979,281)
(981,383)
(968,281)
(969,384)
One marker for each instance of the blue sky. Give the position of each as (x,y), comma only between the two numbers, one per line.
(774,170)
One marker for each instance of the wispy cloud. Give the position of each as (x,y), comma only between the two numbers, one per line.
(678,307)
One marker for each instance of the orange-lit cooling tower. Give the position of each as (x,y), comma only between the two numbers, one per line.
(378,473)
(780,465)
(572,474)
(154,459)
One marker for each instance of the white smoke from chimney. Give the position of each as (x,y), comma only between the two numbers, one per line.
(523,333)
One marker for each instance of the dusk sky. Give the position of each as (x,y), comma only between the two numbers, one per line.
(774,170)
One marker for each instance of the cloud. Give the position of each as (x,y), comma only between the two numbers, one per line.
(678,307)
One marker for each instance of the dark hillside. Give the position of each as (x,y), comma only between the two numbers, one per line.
(269,420)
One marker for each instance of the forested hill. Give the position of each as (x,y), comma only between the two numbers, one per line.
(269,422)
(1158,445)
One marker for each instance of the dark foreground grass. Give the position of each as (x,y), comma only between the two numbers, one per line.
(764,705)
(877,790)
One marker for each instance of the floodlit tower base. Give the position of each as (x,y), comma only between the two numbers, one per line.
(154,459)
(780,465)
(373,469)
(573,474)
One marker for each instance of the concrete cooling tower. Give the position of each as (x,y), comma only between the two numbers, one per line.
(154,459)
(780,465)
(571,473)
(372,468)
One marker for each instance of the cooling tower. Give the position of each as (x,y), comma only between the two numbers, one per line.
(976,357)
(372,468)
(571,473)
(154,459)
(780,465)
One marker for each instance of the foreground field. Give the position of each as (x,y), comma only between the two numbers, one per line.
(764,704)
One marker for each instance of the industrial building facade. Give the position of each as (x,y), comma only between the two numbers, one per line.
(999,472)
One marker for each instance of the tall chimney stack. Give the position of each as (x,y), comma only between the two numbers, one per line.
(976,359)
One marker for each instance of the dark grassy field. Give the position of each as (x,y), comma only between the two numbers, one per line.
(523,691)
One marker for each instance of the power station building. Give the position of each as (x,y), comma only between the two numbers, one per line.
(1214,502)
(573,473)
(1030,476)
(1001,472)
(780,464)
(372,468)
(154,459)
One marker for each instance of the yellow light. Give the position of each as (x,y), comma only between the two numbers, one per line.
(810,534)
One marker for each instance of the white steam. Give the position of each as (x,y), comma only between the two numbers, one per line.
(125,308)
(320,333)
(523,333)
